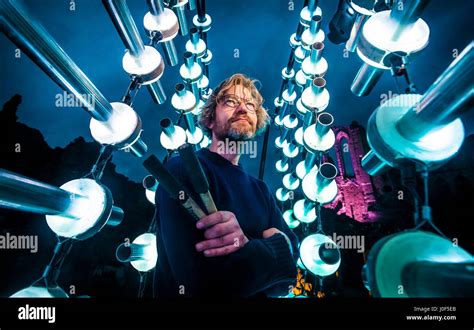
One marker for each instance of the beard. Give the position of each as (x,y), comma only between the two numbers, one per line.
(235,131)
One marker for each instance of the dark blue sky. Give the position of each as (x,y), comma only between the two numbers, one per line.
(258,29)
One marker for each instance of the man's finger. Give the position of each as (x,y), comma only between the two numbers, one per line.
(221,229)
(222,251)
(218,242)
(214,218)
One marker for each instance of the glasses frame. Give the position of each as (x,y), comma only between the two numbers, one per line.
(222,100)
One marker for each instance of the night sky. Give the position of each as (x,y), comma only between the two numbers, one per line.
(258,29)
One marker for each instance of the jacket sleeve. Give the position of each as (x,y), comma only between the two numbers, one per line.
(259,265)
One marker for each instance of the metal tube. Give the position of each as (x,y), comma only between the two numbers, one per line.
(201,10)
(194,32)
(18,192)
(125,26)
(406,14)
(323,123)
(183,22)
(326,173)
(130,252)
(308,118)
(156,91)
(190,121)
(318,85)
(366,79)
(438,279)
(171,55)
(316,52)
(449,96)
(40,46)
(309,160)
(373,165)
(155,6)
(312,5)
(167,127)
(315,24)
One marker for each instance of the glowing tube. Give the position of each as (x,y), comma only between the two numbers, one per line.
(144,61)
(449,96)
(316,97)
(319,185)
(426,264)
(163,21)
(304,211)
(142,253)
(23,194)
(45,52)
(290,219)
(191,72)
(196,45)
(313,34)
(320,255)
(291,181)
(313,66)
(150,184)
(386,34)
(289,122)
(308,12)
(422,127)
(319,137)
(78,209)
(179,8)
(172,136)
(282,194)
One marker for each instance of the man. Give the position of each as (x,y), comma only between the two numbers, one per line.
(243,250)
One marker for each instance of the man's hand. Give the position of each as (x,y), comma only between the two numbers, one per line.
(223,234)
(272,231)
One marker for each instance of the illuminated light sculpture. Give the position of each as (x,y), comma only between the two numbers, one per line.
(282,194)
(173,136)
(319,185)
(162,25)
(45,52)
(313,34)
(291,149)
(288,96)
(306,165)
(290,219)
(191,72)
(78,209)
(282,165)
(179,8)
(319,137)
(291,181)
(184,101)
(305,211)
(122,129)
(141,253)
(40,292)
(139,60)
(362,10)
(423,127)
(289,123)
(389,35)
(196,45)
(320,255)
(316,97)
(202,22)
(313,66)
(424,264)
(308,12)
(150,184)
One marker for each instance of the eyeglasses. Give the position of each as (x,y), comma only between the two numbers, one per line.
(233,101)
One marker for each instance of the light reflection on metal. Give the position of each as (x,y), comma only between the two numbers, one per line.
(141,253)
(179,8)
(150,184)
(78,209)
(172,136)
(425,264)
(425,128)
(191,73)
(139,60)
(320,255)
(290,219)
(398,32)
(319,185)
(313,34)
(162,21)
(305,211)
(316,97)
(319,136)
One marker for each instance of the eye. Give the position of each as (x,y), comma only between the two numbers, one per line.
(250,106)
(231,102)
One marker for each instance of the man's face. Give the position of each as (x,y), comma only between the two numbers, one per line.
(233,118)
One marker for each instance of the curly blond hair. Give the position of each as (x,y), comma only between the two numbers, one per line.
(208,112)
